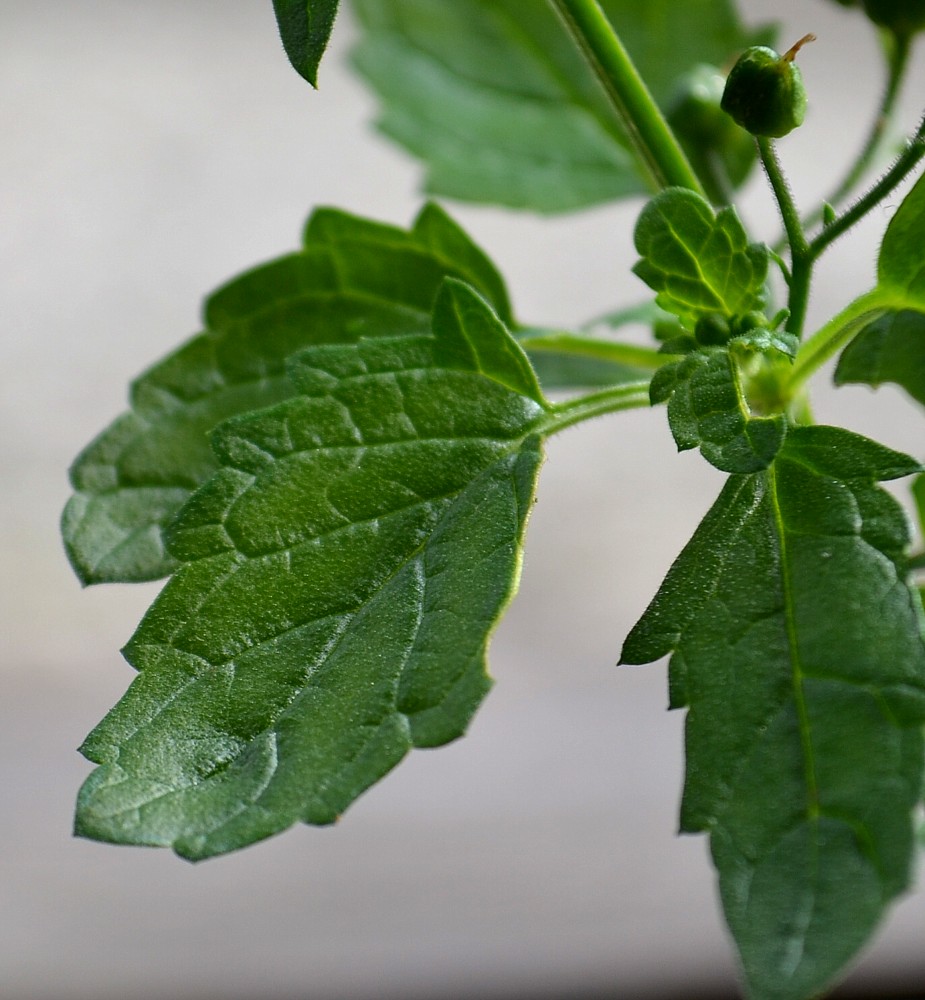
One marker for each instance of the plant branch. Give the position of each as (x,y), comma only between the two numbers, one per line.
(630,395)
(896,51)
(653,141)
(903,165)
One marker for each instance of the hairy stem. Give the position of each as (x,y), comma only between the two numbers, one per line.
(801,260)
(831,338)
(632,395)
(652,139)
(896,50)
(903,165)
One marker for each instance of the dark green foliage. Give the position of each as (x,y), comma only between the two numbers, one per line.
(305,27)
(352,278)
(891,349)
(342,573)
(796,645)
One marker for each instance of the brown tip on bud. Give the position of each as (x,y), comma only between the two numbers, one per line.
(791,53)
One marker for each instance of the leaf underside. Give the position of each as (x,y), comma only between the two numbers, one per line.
(495,99)
(354,278)
(891,349)
(796,644)
(342,573)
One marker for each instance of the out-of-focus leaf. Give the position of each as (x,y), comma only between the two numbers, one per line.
(494,97)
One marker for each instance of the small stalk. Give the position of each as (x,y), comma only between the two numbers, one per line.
(653,141)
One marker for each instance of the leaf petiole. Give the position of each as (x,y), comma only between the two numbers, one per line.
(628,396)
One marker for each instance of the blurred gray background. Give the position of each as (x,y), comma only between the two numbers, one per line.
(149,151)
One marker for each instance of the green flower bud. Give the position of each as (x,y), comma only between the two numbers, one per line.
(764,91)
(902,17)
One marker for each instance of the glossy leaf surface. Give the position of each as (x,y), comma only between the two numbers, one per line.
(342,574)
(353,278)
(305,27)
(796,644)
(699,261)
(891,349)
(494,98)
(706,409)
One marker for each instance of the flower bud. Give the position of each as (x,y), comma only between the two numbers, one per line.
(902,17)
(764,91)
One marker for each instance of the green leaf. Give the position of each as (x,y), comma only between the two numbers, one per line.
(353,278)
(495,99)
(796,644)
(342,574)
(305,27)
(891,349)
(900,266)
(706,409)
(697,260)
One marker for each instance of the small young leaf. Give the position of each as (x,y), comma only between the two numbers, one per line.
(497,101)
(305,27)
(342,574)
(796,644)
(706,409)
(891,349)
(697,260)
(354,278)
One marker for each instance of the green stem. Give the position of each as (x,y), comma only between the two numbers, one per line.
(801,260)
(831,338)
(628,396)
(903,165)
(647,358)
(654,142)
(896,50)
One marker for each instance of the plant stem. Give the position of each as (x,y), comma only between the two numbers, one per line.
(904,164)
(826,342)
(592,347)
(801,260)
(652,139)
(896,50)
(630,395)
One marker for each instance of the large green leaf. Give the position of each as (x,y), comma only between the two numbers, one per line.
(353,278)
(342,574)
(796,643)
(305,27)
(698,260)
(495,99)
